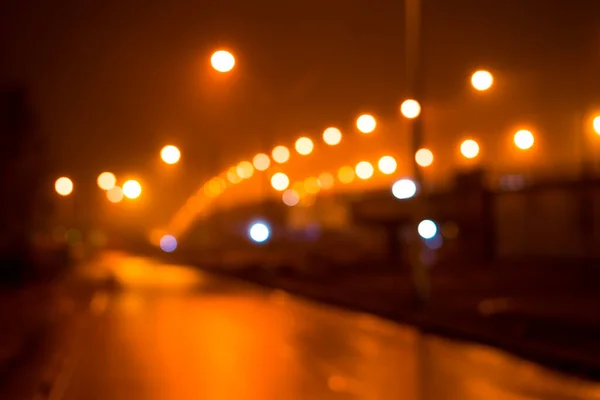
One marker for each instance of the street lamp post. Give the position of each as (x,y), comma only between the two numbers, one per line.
(413,76)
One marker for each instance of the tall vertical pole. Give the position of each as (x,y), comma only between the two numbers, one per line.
(414,86)
(413,76)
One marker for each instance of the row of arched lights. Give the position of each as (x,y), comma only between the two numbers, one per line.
(223,61)
(481,80)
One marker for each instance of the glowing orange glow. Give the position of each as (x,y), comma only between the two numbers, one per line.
(596,125)
(232,175)
(106,181)
(366,123)
(410,108)
(482,80)
(524,139)
(280,181)
(245,170)
(469,148)
(424,157)
(280,154)
(346,174)
(311,185)
(304,146)
(115,194)
(332,136)
(387,165)
(132,189)
(290,197)
(214,187)
(364,170)
(222,61)
(326,180)
(170,154)
(261,162)
(63,186)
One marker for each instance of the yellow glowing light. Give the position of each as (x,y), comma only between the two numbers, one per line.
(214,187)
(326,180)
(290,197)
(410,108)
(280,154)
(170,154)
(280,181)
(346,174)
(222,61)
(232,175)
(482,80)
(469,148)
(366,123)
(106,181)
(261,162)
(424,157)
(132,189)
(245,170)
(63,186)
(311,185)
(524,139)
(387,165)
(332,136)
(596,124)
(304,146)
(364,170)
(114,194)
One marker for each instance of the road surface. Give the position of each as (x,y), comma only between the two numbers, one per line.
(172,332)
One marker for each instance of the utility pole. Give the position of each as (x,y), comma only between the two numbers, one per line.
(413,59)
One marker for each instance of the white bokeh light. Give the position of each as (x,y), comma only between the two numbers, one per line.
(404,189)
(259,232)
(427,229)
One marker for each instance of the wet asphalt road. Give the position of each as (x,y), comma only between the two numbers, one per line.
(171,332)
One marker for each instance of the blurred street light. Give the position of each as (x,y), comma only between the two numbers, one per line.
(170,154)
(364,170)
(326,180)
(115,194)
(245,170)
(524,139)
(290,197)
(106,180)
(261,161)
(280,181)
(424,157)
(482,80)
(222,61)
(427,229)
(168,243)
(346,174)
(259,232)
(597,125)
(63,186)
(469,149)
(366,123)
(232,175)
(304,146)
(332,136)
(280,154)
(404,189)
(387,165)
(132,189)
(410,109)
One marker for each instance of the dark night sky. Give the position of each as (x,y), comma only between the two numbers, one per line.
(115,81)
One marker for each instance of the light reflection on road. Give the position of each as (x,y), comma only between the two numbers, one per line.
(236,341)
